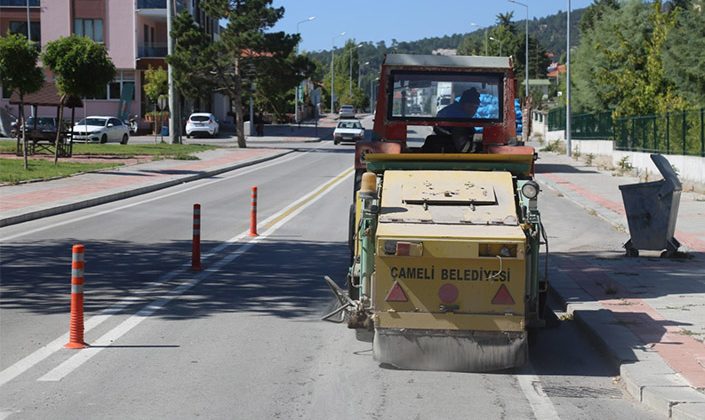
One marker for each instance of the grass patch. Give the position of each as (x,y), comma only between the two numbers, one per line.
(12,170)
(160,150)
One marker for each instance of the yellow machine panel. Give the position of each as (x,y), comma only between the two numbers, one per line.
(450,253)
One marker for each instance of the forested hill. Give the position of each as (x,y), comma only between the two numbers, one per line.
(550,31)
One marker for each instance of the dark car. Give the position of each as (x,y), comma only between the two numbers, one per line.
(41,128)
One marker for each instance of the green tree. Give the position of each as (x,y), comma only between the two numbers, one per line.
(594,13)
(190,59)
(156,83)
(19,73)
(82,68)
(243,45)
(684,54)
(619,63)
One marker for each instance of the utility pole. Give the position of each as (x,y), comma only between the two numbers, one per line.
(297,117)
(29,25)
(567,87)
(351,66)
(524,134)
(170,50)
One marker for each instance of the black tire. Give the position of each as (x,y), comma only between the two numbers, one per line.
(104,139)
(353,292)
(351,232)
(125,139)
(336,142)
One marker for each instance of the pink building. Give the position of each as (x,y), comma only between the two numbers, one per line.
(133,31)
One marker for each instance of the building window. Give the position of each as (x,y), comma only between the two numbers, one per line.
(91,28)
(124,82)
(20,27)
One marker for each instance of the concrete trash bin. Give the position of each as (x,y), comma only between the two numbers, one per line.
(652,210)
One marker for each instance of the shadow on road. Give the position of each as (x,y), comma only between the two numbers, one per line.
(547,168)
(275,278)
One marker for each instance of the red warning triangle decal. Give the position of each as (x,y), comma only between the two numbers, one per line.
(503,297)
(396,294)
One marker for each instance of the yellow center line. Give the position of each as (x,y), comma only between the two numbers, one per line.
(312,196)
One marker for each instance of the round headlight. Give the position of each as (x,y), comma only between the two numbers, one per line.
(530,190)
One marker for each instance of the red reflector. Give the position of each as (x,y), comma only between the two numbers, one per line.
(403,249)
(448,293)
(503,297)
(396,294)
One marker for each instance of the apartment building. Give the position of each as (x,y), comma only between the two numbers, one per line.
(134,33)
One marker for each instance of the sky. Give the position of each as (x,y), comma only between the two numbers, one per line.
(403,20)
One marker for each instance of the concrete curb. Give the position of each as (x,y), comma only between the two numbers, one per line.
(645,375)
(64,208)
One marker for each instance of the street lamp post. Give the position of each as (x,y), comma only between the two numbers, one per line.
(297,117)
(310,18)
(359,73)
(526,50)
(372,107)
(476,25)
(332,71)
(524,134)
(567,86)
(173,124)
(500,44)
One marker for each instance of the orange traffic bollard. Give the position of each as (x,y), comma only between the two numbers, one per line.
(76,323)
(196,243)
(253,213)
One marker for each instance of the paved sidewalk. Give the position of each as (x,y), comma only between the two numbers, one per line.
(647,313)
(23,202)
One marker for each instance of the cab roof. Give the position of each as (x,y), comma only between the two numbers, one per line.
(478,62)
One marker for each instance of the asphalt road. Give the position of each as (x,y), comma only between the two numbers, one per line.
(243,339)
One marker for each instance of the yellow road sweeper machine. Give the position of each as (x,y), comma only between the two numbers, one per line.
(445,236)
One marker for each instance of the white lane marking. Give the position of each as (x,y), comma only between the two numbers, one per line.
(37,356)
(26,363)
(538,400)
(239,172)
(5,414)
(113,335)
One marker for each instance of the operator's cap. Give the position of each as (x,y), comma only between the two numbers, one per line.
(470,95)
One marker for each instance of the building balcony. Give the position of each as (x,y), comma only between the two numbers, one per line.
(152,50)
(151,4)
(19,3)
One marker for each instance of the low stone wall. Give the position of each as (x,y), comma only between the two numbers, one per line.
(690,168)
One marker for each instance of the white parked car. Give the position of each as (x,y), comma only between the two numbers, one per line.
(346,111)
(100,130)
(348,130)
(202,123)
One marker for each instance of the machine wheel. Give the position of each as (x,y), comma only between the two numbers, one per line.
(336,142)
(104,139)
(125,138)
(351,232)
(353,292)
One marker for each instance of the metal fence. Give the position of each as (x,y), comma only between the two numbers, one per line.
(556,119)
(681,133)
(591,126)
(673,133)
